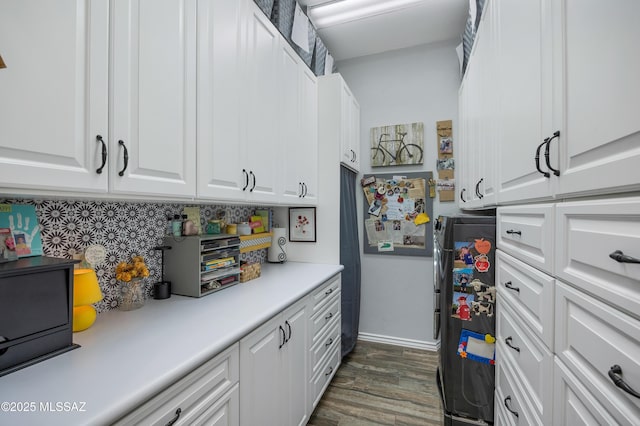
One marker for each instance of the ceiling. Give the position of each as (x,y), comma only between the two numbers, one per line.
(353,28)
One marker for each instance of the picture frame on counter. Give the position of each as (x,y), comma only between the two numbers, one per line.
(302,224)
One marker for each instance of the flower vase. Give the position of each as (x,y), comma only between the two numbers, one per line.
(131,294)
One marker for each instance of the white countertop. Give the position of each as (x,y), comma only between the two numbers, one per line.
(125,358)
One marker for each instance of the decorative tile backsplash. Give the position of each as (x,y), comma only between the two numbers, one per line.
(124,229)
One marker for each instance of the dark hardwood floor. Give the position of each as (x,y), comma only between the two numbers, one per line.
(380,384)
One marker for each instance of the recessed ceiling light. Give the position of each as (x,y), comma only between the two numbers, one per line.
(339,12)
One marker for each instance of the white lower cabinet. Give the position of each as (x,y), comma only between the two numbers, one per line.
(273,363)
(531,360)
(599,345)
(207,395)
(325,336)
(512,397)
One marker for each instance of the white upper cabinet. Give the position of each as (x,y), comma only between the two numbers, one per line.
(523,81)
(220,148)
(339,113)
(478,111)
(260,121)
(62,119)
(54,94)
(298,128)
(598,101)
(152,144)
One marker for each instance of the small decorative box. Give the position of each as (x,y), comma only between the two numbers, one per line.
(249,271)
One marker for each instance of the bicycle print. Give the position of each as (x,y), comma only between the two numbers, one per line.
(400,144)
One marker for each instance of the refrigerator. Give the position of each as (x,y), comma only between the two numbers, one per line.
(464,317)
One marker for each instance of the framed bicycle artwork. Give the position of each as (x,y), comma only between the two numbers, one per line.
(397,145)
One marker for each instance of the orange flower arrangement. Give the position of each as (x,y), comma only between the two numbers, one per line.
(126,271)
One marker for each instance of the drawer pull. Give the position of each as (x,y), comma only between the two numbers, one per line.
(508,342)
(329,372)
(507,403)
(175,418)
(328,292)
(328,317)
(619,256)
(330,342)
(511,231)
(511,287)
(615,374)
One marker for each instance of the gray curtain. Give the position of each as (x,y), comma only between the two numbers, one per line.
(350,258)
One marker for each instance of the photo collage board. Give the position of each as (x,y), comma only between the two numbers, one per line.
(397,214)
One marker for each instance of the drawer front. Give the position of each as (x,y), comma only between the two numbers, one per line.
(510,395)
(320,381)
(209,381)
(325,318)
(526,232)
(329,340)
(573,404)
(531,360)
(14,355)
(588,233)
(225,411)
(321,296)
(591,337)
(529,292)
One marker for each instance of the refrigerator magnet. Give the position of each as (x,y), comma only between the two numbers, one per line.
(477,347)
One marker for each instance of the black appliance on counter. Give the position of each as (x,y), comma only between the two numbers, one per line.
(464,318)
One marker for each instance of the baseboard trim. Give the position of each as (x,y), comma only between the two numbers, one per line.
(399,341)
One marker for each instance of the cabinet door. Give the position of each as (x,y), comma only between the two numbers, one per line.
(525,72)
(54,94)
(354,125)
(220,148)
(346,154)
(295,364)
(308,140)
(290,111)
(260,375)
(261,121)
(598,102)
(152,146)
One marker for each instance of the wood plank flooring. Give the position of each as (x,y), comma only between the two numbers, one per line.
(379,384)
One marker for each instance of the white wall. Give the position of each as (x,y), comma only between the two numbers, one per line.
(403,86)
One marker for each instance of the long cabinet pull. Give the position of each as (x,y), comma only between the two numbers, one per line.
(546,174)
(284,336)
(619,256)
(254,180)
(508,343)
(462,195)
(511,287)
(546,153)
(290,331)
(104,153)
(478,193)
(175,418)
(507,403)
(246,179)
(615,374)
(125,157)
(511,232)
